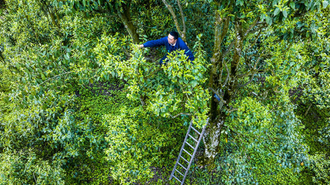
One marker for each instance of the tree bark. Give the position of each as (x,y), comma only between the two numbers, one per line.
(125,17)
(212,134)
(221,29)
(176,22)
(45,7)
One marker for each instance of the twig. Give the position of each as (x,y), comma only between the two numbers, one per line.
(229,47)
(34,178)
(256,39)
(215,92)
(187,114)
(142,102)
(254,71)
(56,76)
(183,90)
(308,109)
(250,28)
(227,75)
(232,110)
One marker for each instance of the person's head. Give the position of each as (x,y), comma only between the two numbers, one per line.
(172,37)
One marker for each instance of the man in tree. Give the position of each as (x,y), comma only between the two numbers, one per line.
(172,43)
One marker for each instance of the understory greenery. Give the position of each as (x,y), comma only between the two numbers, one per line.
(80,103)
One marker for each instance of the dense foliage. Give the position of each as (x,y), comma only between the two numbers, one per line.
(80,103)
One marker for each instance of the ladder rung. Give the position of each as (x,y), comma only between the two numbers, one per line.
(190,145)
(187,152)
(185,159)
(182,166)
(176,178)
(196,130)
(179,172)
(193,138)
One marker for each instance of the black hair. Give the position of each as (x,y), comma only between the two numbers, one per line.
(174,34)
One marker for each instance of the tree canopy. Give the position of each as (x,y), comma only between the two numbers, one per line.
(81,103)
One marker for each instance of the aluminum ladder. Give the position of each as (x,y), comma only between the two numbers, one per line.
(189,152)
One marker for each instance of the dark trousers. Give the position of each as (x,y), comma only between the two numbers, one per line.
(163,60)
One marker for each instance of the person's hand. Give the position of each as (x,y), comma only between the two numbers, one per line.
(141,46)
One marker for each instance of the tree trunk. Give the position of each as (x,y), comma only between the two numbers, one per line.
(211,141)
(125,17)
(212,135)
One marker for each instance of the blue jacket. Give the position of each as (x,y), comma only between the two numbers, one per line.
(179,45)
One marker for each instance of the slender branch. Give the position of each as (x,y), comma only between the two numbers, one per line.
(220,76)
(255,40)
(308,109)
(227,75)
(34,178)
(142,102)
(250,28)
(183,91)
(169,7)
(232,111)
(183,22)
(228,49)
(240,86)
(215,92)
(254,72)
(187,114)
(56,76)
(2,58)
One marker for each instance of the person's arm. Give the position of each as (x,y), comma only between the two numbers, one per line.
(155,43)
(187,51)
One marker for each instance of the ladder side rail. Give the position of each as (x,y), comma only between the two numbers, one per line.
(177,161)
(196,130)
(195,150)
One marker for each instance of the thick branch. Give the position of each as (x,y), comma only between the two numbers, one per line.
(183,22)
(169,7)
(238,48)
(125,17)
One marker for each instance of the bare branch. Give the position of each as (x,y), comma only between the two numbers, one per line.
(250,28)
(169,7)
(183,22)
(220,76)
(187,114)
(308,109)
(56,76)
(254,71)
(142,102)
(228,49)
(35,178)
(255,40)
(227,75)
(215,92)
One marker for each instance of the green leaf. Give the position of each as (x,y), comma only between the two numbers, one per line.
(269,20)
(43,76)
(325,4)
(277,11)
(285,13)
(194,83)
(293,5)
